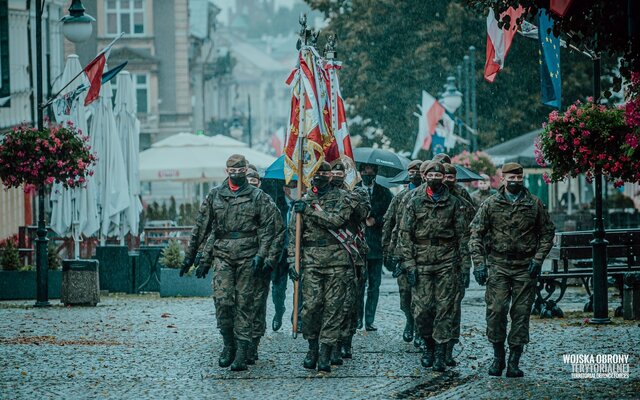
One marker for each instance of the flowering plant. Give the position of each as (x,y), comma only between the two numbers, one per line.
(588,138)
(478,161)
(32,157)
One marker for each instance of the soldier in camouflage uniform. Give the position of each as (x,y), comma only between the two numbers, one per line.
(391,258)
(236,221)
(355,275)
(521,237)
(430,233)
(484,190)
(263,277)
(458,191)
(325,264)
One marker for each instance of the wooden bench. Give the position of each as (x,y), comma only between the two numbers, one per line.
(571,257)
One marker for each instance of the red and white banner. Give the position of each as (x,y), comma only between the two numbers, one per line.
(94,71)
(431,113)
(499,41)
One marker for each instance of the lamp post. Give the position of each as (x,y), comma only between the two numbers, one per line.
(451,98)
(474,110)
(79,29)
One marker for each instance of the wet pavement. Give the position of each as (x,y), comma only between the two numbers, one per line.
(150,347)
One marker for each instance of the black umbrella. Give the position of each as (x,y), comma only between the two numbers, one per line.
(388,162)
(462,175)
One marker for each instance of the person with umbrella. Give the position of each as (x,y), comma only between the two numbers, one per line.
(380,198)
(389,244)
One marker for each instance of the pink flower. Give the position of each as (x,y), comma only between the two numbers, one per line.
(576,142)
(559,138)
(49,180)
(59,164)
(586,133)
(546,178)
(631,140)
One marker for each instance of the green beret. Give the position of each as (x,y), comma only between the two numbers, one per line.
(236,161)
(253,174)
(512,168)
(415,164)
(324,166)
(251,166)
(450,169)
(442,158)
(337,165)
(431,166)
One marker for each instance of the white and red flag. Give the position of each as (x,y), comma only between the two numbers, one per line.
(430,113)
(94,71)
(499,41)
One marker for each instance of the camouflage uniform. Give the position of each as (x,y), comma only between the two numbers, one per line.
(325,263)
(479,196)
(520,231)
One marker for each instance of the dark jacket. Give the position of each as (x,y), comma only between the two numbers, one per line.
(380,199)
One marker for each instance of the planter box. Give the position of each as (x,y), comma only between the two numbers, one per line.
(80,282)
(173,285)
(147,271)
(116,274)
(15,285)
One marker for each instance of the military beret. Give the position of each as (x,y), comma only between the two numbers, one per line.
(337,165)
(442,158)
(512,168)
(251,166)
(324,166)
(236,161)
(253,174)
(431,166)
(450,169)
(415,164)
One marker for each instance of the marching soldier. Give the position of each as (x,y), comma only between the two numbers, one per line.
(355,230)
(389,245)
(484,190)
(430,233)
(236,221)
(325,262)
(521,236)
(458,191)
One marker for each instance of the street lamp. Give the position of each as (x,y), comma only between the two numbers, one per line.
(236,130)
(78,26)
(451,99)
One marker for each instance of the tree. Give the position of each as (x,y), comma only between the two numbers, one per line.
(392,50)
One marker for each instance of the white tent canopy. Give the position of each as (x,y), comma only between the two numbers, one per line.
(194,158)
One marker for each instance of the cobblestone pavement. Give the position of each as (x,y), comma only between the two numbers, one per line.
(150,347)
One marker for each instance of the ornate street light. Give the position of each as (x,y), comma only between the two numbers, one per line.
(451,99)
(77,26)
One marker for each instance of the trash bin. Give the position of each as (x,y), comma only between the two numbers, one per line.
(631,296)
(115,271)
(80,282)
(148,269)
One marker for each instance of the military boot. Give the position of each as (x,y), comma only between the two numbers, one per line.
(438,362)
(336,357)
(228,351)
(252,351)
(311,359)
(497,366)
(418,342)
(407,335)
(324,359)
(448,355)
(427,353)
(513,371)
(240,362)
(346,347)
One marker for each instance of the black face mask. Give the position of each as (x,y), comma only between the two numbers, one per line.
(368,179)
(238,179)
(416,180)
(434,184)
(514,187)
(337,182)
(450,184)
(320,182)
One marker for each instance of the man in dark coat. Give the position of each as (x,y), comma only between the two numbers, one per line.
(380,199)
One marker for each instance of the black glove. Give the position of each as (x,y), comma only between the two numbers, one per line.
(412,277)
(534,269)
(466,277)
(267,268)
(202,271)
(196,262)
(480,273)
(186,265)
(257,264)
(299,206)
(293,274)
(399,270)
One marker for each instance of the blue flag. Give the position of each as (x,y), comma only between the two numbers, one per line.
(549,51)
(437,145)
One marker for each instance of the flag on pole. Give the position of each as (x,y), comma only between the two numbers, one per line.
(499,41)
(549,52)
(277,141)
(94,71)
(431,113)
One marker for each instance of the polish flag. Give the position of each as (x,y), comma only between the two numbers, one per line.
(277,141)
(499,42)
(94,71)
(430,113)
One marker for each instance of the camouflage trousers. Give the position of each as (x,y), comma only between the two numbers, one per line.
(350,312)
(510,290)
(324,291)
(260,303)
(405,297)
(433,302)
(234,288)
(457,307)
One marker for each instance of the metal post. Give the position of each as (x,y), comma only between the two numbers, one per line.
(42,290)
(474,111)
(460,83)
(599,244)
(467,99)
(249,121)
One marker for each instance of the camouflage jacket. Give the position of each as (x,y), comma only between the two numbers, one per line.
(356,224)
(319,247)
(480,196)
(519,231)
(431,231)
(392,219)
(234,225)
(279,231)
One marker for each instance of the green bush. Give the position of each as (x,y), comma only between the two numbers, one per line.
(53,258)
(172,255)
(10,260)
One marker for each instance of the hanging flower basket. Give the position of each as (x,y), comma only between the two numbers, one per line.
(589,139)
(57,153)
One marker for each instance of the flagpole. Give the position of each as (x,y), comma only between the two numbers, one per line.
(301,138)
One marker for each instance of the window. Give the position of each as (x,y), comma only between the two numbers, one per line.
(141,85)
(124,16)
(5,89)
